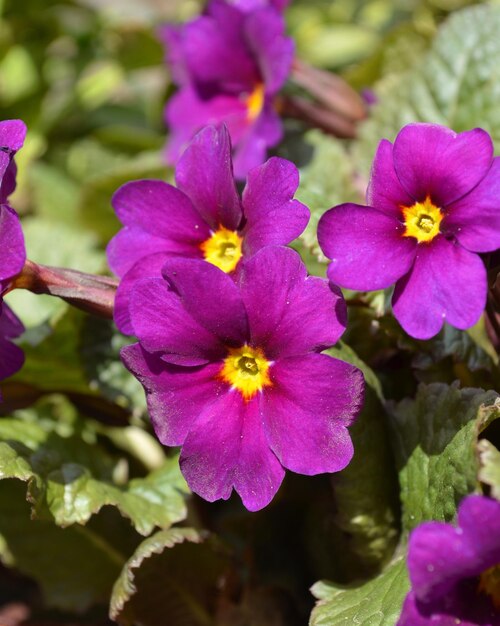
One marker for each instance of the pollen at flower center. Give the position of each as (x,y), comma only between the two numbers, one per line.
(223,249)
(489,583)
(255,102)
(422,220)
(247,370)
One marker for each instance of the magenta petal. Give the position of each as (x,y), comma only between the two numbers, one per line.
(432,160)
(227,448)
(12,134)
(273,216)
(446,283)
(385,192)
(479,519)
(265,33)
(10,325)
(211,297)
(415,613)
(367,247)
(12,251)
(172,36)
(312,401)
(161,324)
(289,313)
(11,358)
(475,219)
(205,174)
(161,210)
(148,267)
(176,396)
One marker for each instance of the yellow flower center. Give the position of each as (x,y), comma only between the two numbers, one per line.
(422,220)
(489,583)
(247,370)
(223,249)
(255,102)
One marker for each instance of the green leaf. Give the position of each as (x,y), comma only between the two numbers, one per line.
(435,438)
(75,567)
(489,471)
(457,83)
(376,603)
(172,573)
(71,477)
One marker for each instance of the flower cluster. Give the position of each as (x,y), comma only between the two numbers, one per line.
(455,571)
(204,217)
(229,65)
(434,203)
(12,251)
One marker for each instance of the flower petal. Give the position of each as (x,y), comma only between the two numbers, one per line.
(205,174)
(289,313)
(446,283)
(211,297)
(10,325)
(475,219)
(273,216)
(176,396)
(161,210)
(227,448)
(12,251)
(306,411)
(367,247)
(11,358)
(162,324)
(12,135)
(432,160)
(479,519)
(265,34)
(385,192)
(148,267)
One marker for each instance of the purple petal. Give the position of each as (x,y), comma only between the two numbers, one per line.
(211,297)
(205,174)
(11,358)
(12,134)
(289,313)
(446,283)
(227,448)
(385,192)
(251,5)
(475,219)
(415,613)
(12,251)
(216,53)
(307,409)
(479,519)
(273,216)
(176,396)
(163,211)
(10,325)
(367,247)
(148,267)
(251,148)
(265,33)
(432,160)
(172,36)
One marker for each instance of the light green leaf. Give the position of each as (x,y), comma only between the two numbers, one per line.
(172,573)
(435,436)
(375,603)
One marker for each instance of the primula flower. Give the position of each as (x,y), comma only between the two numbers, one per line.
(11,356)
(455,571)
(233,375)
(203,217)
(251,5)
(434,203)
(229,65)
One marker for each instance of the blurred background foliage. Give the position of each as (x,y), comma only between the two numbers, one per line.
(85,479)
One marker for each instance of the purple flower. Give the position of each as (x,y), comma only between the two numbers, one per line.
(251,5)
(12,135)
(203,217)
(455,572)
(229,65)
(11,357)
(233,375)
(434,203)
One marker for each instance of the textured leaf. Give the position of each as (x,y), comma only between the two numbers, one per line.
(457,83)
(376,603)
(172,573)
(435,436)
(70,477)
(489,471)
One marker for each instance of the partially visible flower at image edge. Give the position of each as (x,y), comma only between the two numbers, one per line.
(433,206)
(12,249)
(455,570)
(203,217)
(233,374)
(229,64)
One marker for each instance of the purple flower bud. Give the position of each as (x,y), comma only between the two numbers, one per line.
(433,205)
